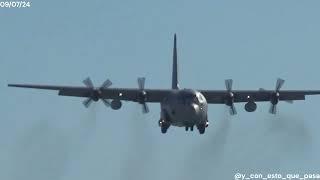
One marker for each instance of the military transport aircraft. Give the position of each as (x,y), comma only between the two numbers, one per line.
(179,107)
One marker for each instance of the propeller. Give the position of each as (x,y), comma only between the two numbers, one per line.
(142,97)
(275,96)
(95,93)
(230,97)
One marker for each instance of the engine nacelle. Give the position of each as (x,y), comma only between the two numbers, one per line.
(116,104)
(250,106)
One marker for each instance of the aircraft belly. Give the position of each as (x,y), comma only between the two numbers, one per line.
(182,116)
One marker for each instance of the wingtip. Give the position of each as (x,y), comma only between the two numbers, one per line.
(14,85)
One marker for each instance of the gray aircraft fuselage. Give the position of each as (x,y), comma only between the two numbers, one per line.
(185,108)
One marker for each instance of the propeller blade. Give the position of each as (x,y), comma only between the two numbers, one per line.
(233,110)
(279,84)
(145,108)
(228,83)
(87,102)
(273,109)
(95,94)
(88,82)
(106,102)
(141,82)
(106,84)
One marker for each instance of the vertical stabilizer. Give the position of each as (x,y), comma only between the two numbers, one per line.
(175,65)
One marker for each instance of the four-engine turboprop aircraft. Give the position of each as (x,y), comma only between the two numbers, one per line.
(179,107)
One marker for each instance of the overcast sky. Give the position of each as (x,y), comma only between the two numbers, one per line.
(44,136)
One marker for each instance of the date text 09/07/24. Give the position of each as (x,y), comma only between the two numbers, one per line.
(15,4)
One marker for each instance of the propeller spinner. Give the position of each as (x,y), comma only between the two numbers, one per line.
(275,96)
(96,92)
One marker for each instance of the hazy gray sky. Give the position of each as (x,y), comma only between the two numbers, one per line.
(44,136)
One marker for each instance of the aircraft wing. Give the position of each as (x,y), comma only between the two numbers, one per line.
(220,97)
(127,94)
(157,95)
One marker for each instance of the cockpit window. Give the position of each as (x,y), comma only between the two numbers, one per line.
(188,97)
(193,98)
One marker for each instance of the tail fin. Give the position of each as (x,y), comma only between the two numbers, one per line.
(175,65)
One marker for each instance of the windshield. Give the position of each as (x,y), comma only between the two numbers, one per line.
(188,97)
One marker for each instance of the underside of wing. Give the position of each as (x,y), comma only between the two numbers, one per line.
(221,96)
(152,95)
(230,96)
(250,97)
(105,93)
